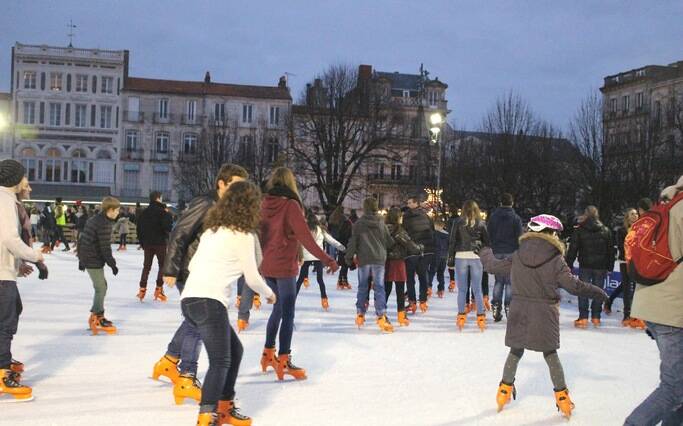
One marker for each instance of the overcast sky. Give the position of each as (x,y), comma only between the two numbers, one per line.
(550,52)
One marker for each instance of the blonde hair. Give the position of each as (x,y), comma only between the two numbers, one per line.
(471,212)
(282,176)
(627,225)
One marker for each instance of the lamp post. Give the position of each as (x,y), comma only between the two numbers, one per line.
(436,122)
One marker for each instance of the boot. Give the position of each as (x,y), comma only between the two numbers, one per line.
(487,304)
(581,323)
(497,313)
(187,386)
(207,419)
(10,385)
(637,323)
(166,366)
(429,292)
(460,321)
(285,366)
(481,322)
(563,403)
(99,323)
(402,319)
(257,301)
(507,310)
(504,393)
(228,414)
(470,307)
(423,307)
(360,320)
(627,322)
(325,304)
(347,285)
(451,286)
(242,325)
(306,283)
(412,307)
(384,324)
(439,294)
(268,359)
(159,294)
(141,293)
(238,300)
(596,322)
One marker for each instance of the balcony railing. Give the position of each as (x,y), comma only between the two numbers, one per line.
(132,154)
(159,119)
(194,120)
(133,116)
(161,156)
(131,192)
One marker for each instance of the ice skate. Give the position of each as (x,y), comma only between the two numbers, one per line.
(412,307)
(402,319)
(238,300)
(360,320)
(451,286)
(347,285)
(10,386)
(481,322)
(285,366)
(306,283)
(340,285)
(423,307)
(187,386)
(596,322)
(167,366)
(581,323)
(429,292)
(505,391)
(324,303)
(228,414)
(563,403)
(439,294)
(242,325)
(141,293)
(268,359)
(507,311)
(207,419)
(17,366)
(159,294)
(497,313)
(257,301)
(100,323)
(384,324)
(637,323)
(460,321)
(487,304)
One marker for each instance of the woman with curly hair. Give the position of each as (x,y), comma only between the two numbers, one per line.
(228,249)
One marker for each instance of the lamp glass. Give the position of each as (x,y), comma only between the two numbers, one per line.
(436,119)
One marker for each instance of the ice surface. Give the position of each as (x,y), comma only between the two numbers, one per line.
(425,374)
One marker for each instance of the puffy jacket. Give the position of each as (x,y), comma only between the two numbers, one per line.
(94,243)
(504,228)
(184,239)
(420,228)
(592,241)
(441,240)
(403,246)
(466,238)
(154,225)
(370,241)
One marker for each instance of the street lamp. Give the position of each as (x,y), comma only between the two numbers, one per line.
(3,122)
(436,122)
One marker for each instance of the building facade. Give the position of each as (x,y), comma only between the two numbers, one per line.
(5,125)
(66,115)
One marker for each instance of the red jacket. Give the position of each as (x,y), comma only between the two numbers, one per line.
(283,227)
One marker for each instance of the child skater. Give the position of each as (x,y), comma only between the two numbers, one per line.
(228,249)
(537,270)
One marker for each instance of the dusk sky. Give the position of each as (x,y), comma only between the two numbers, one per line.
(551,53)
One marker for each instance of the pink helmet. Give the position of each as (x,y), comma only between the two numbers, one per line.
(543,221)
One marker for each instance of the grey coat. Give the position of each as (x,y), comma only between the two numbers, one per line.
(537,272)
(370,241)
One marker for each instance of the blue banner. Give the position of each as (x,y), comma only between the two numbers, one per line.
(611,282)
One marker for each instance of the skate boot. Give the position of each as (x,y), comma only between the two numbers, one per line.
(563,403)
(166,366)
(507,310)
(487,304)
(360,320)
(187,386)
(581,323)
(159,294)
(412,307)
(285,366)
(460,321)
(637,323)
(242,325)
(429,292)
(384,324)
(481,322)
(596,322)
(439,294)
(497,313)
(99,323)
(325,304)
(306,283)
(268,359)
(10,386)
(238,300)
(141,293)
(257,301)
(207,419)
(228,414)
(423,307)
(402,319)
(340,285)
(347,285)
(505,391)
(451,286)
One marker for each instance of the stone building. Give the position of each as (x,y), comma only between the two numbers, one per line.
(65,115)
(5,125)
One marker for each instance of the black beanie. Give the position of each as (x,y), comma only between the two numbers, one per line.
(11,173)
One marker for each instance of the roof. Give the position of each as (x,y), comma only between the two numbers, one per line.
(401,81)
(180,87)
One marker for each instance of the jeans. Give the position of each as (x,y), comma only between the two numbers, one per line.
(222,346)
(364,289)
(10,309)
(400,294)
(186,343)
(475,269)
(246,299)
(150,251)
(100,285)
(502,285)
(318,268)
(419,265)
(437,267)
(664,403)
(282,317)
(597,278)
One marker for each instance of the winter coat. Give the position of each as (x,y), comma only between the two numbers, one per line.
(81,221)
(60,215)
(154,225)
(504,228)
(537,271)
(283,228)
(184,239)
(343,234)
(466,238)
(47,220)
(94,243)
(403,246)
(320,236)
(370,241)
(122,226)
(592,241)
(420,228)
(441,240)
(12,249)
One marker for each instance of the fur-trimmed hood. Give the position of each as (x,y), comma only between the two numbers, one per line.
(537,249)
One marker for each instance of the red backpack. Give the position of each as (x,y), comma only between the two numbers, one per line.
(650,260)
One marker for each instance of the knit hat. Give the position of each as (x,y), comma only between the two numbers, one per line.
(670,191)
(11,173)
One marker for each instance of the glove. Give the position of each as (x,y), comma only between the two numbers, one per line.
(81,267)
(114,270)
(42,271)
(600,296)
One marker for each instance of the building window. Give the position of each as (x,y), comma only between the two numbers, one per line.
(29,113)
(380,171)
(219,112)
(79,167)
(433,98)
(396,172)
(274,115)
(55,114)
(191,110)
(625,103)
(131,181)
(29,79)
(80,117)
(613,105)
(30,166)
(272,150)
(56,81)
(67,115)
(81,83)
(163,108)
(639,100)
(247,113)
(107,85)
(105,116)
(131,140)
(190,143)
(161,145)
(53,166)
(68,82)
(160,180)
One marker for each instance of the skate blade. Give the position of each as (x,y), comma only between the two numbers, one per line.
(9,399)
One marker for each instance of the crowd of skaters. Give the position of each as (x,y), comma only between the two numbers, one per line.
(268,241)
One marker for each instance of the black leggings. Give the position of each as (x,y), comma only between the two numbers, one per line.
(400,294)
(123,239)
(627,288)
(303,273)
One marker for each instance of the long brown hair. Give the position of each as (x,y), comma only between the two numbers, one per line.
(628,225)
(282,176)
(471,212)
(393,216)
(238,209)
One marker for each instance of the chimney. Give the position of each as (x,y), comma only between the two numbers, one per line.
(364,72)
(282,83)
(207,77)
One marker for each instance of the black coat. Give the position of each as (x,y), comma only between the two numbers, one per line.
(184,239)
(403,245)
(466,238)
(505,228)
(420,228)
(154,224)
(592,242)
(94,243)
